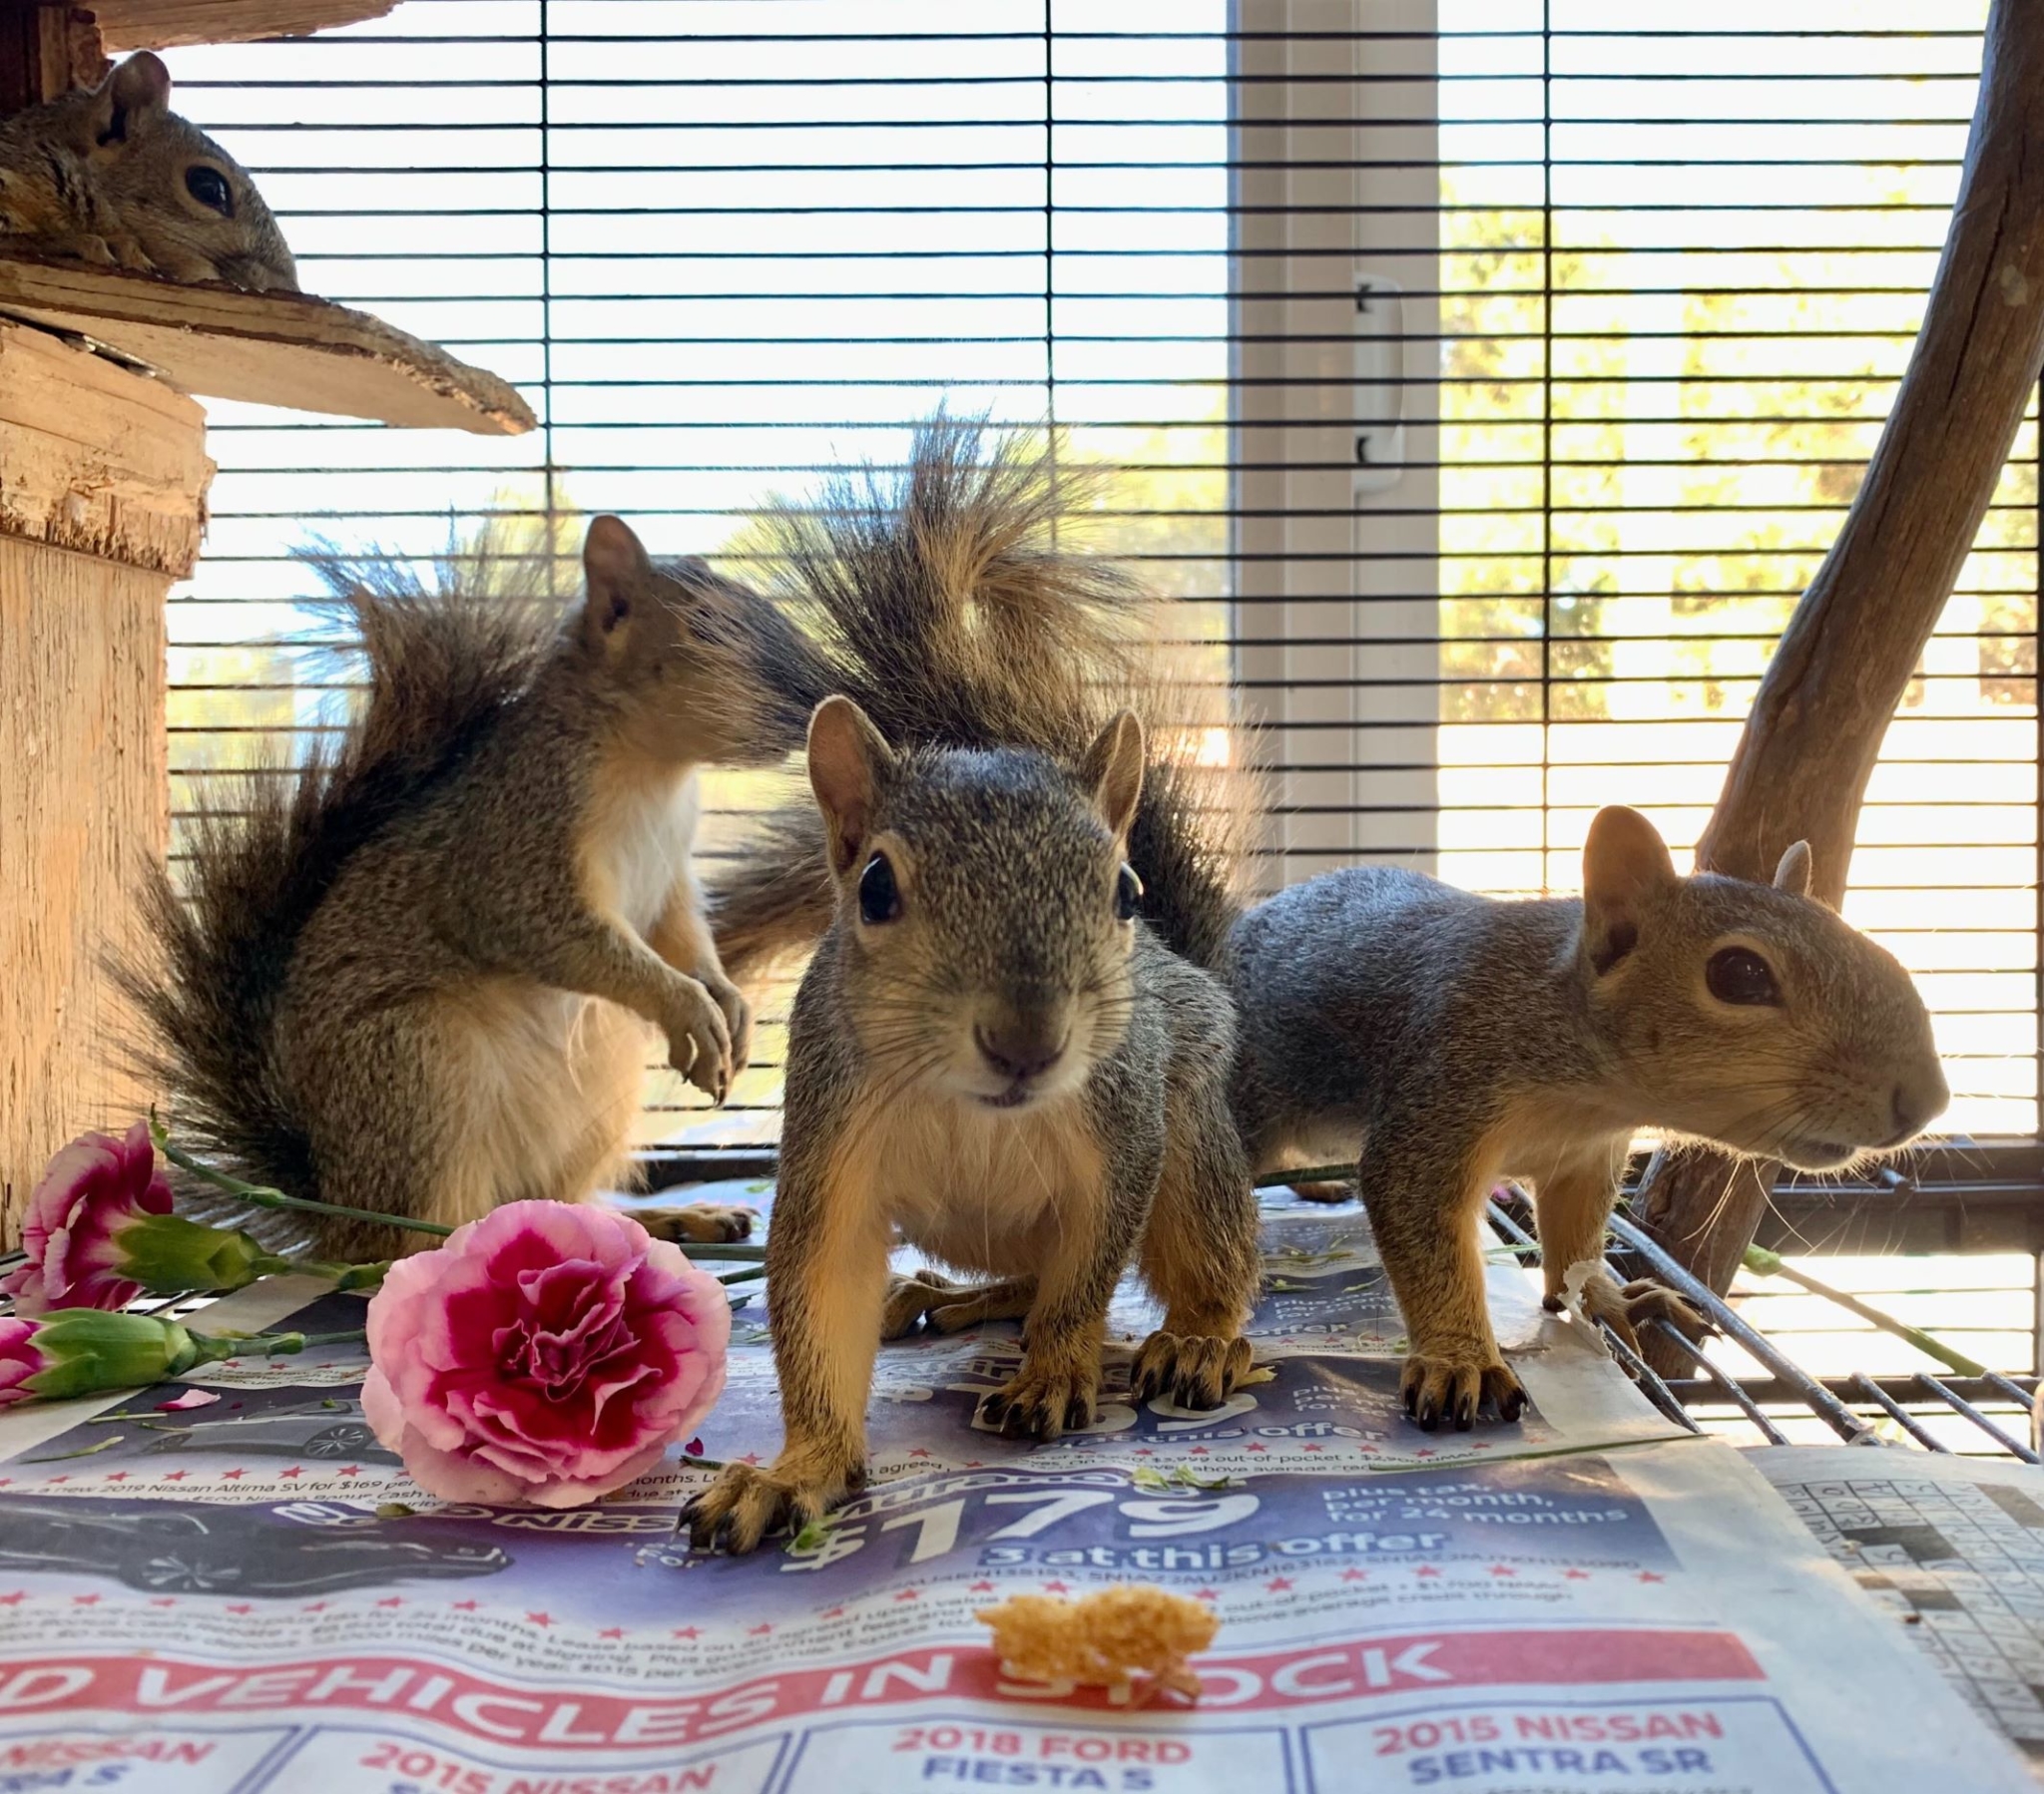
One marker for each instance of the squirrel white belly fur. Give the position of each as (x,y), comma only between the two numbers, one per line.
(1457,1040)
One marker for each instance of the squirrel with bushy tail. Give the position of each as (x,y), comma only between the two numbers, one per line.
(1010,1047)
(417,975)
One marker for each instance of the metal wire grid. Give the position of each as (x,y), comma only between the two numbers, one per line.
(1838,1402)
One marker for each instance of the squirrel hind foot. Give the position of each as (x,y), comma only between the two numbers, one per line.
(927,1297)
(1458,1389)
(1325,1193)
(1197,1371)
(705,1223)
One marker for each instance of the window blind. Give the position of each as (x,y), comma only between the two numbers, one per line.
(1612,316)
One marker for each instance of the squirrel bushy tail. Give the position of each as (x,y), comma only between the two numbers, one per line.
(443,658)
(959,613)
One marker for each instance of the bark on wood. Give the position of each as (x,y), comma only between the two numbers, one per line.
(269,348)
(1847,658)
(92,456)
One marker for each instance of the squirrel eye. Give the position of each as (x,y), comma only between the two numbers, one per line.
(879,900)
(1737,975)
(209,188)
(1128,892)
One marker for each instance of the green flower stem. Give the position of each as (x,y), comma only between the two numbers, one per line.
(750,1273)
(346,1277)
(215,1347)
(707,1255)
(1769,1264)
(1309,1173)
(264,1198)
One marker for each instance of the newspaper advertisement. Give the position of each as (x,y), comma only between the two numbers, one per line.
(1952,1548)
(250,1594)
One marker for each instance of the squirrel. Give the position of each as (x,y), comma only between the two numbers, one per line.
(378,994)
(1460,1039)
(111,175)
(1004,1047)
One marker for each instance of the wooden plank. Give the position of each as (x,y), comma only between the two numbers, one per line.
(160,24)
(93,457)
(83,801)
(269,349)
(97,458)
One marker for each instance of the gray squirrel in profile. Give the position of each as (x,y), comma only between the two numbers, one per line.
(1458,1040)
(111,175)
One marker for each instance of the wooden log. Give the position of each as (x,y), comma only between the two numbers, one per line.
(1825,703)
(103,478)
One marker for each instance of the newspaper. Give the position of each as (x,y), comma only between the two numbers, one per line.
(1952,1548)
(251,1595)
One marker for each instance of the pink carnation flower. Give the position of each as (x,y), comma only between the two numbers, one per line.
(20,1359)
(93,1190)
(548,1352)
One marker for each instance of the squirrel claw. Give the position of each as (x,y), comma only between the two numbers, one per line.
(1627,1309)
(1041,1401)
(1457,1390)
(1198,1369)
(746,1505)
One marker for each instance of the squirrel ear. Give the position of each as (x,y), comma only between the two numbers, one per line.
(1793,874)
(132,99)
(1112,771)
(1625,865)
(848,757)
(618,573)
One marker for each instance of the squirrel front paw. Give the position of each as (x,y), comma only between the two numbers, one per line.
(1456,1386)
(1627,1309)
(699,1040)
(1052,1391)
(747,1504)
(1198,1369)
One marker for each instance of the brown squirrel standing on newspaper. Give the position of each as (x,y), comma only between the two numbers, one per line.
(1007,1047)
(111,175)
(414,976)
(1458,1040)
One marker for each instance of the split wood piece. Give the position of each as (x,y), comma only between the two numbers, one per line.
(103,479)
(269,348)
(45,51)
(1854,643)
(161,24)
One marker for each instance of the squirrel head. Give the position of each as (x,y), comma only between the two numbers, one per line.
(1748,1014)
(187,203)
(986,910)
(687,654)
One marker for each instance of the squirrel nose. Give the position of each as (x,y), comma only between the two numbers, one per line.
(1913,1104)
(1023,1046)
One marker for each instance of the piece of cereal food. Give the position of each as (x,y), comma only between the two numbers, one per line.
(1103,1639)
